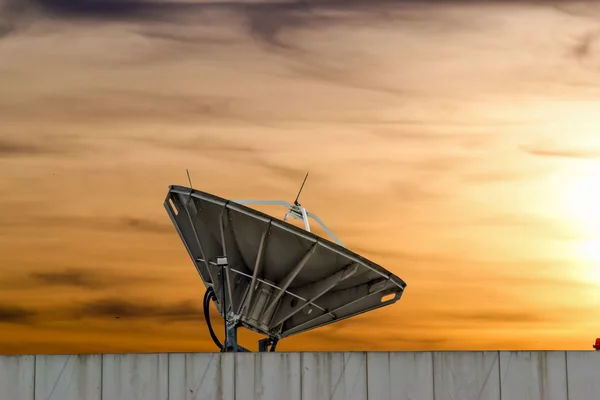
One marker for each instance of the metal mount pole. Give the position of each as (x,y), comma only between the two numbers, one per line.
(230,344)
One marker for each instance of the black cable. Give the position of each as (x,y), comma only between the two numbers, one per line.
(208,296)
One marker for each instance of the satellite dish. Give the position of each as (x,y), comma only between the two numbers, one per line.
(270,276)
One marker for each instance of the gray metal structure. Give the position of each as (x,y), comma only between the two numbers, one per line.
(270,276)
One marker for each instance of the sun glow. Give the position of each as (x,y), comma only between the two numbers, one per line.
(583,199)
(583,204)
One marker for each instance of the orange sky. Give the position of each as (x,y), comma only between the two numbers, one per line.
(455,144)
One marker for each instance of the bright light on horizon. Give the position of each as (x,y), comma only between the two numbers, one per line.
(583,204)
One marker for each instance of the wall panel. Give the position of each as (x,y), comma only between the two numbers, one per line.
(491,375)
(466,375)
(334,376)
(17,374)
(583,372)
(400,376)
(201,376)
(135,377)
(269,376)
(533,375)
(68,377)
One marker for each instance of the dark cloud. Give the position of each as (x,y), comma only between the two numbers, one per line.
(10,16)
(128,310)
(141,9)
(272,24)
(18,148)
(184,38)
(11,148)
(139,225)
(562,152)
(110,9)
(13,314)
(60,345)
(105,309)
(71,277)
(266,21)
(77,278)
(416,342)
(584,46)
(86,279)
(147,225)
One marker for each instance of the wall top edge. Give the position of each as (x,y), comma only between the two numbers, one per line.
(310,352)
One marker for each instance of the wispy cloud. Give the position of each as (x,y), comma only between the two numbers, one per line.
(560,229)
(87,279)
(111,106)
(499,317)
(562,152)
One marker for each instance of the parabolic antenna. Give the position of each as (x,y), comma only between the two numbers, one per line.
(270,276)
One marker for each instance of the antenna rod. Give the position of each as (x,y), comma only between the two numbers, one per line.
(301,187)
(189,179)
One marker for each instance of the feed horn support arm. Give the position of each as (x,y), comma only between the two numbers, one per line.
(295,211)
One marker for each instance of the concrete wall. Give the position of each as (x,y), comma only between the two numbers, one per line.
(490,375)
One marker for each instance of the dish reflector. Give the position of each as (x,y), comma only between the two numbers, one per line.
(273,277)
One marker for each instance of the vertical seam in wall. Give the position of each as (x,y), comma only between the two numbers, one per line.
(432,376)
(301,376)
(235,360)
(389,382)
(567,375)
(499,378)
(168,376)
(367,373)
(34,375)
(101,376)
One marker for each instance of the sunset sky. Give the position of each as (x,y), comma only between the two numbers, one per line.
(456,144)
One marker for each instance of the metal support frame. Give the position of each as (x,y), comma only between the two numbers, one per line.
(274,286)
(230,345)
(263,345)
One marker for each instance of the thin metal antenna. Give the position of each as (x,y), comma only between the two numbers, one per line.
(191,187)
(189,179)
(301,187)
